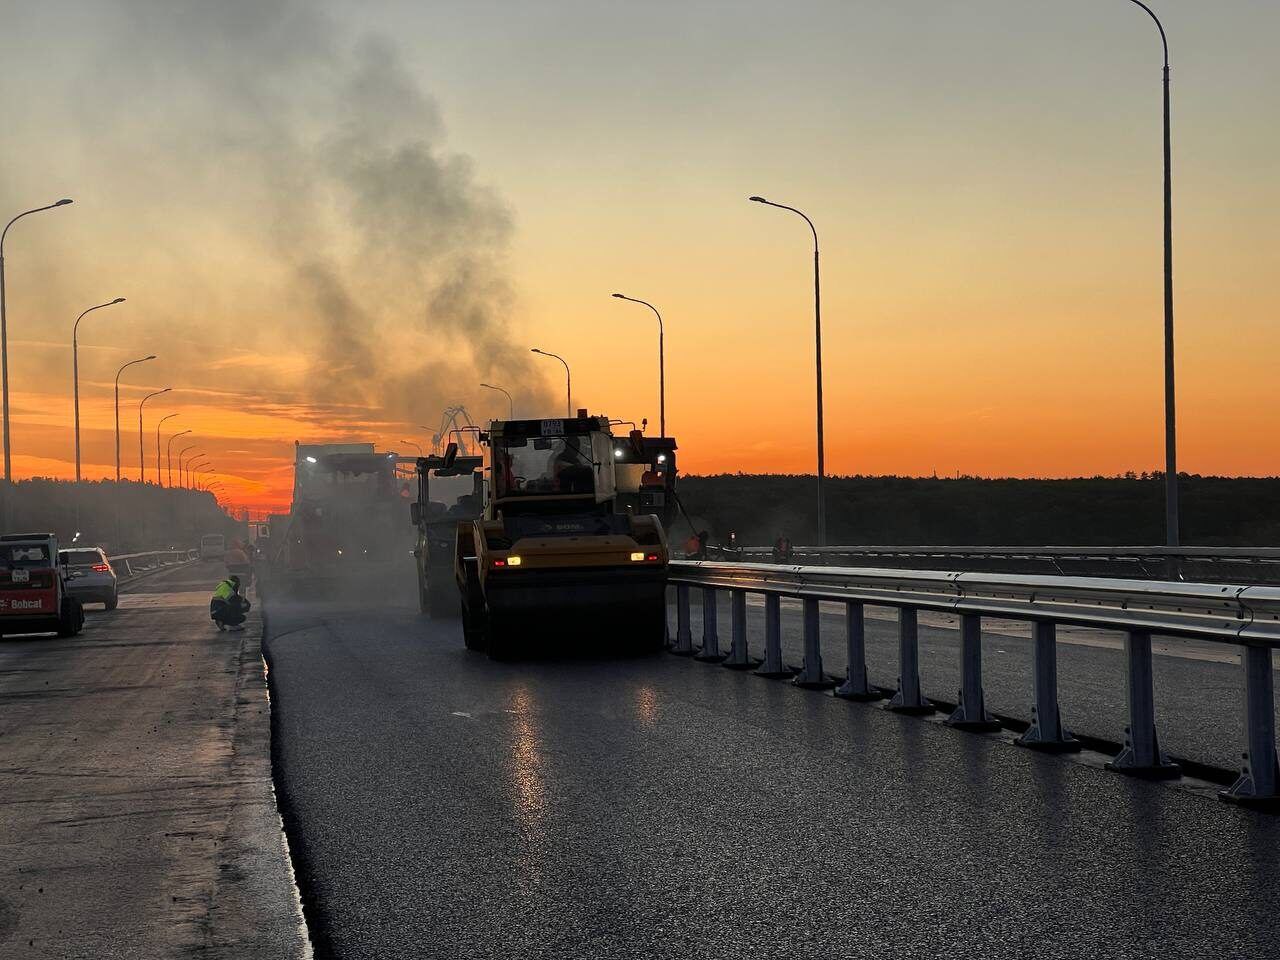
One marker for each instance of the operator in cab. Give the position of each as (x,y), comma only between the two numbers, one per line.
(227,607)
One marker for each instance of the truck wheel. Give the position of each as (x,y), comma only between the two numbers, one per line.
(71,619)
(498,638)
(473,628)
(649,634)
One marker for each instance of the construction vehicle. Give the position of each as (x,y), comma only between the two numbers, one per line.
(450,489)
(645,468)
(33,587)
(345,524)
(552,555)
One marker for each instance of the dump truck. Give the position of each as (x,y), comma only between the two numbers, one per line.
(33,588)
(552,555)
(450,490)
(346,521)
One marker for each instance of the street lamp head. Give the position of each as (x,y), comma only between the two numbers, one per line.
(62,203)
(118,300)
(757,199)
(620,296)
(152,357)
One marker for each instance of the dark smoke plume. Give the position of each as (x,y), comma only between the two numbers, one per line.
(325,156)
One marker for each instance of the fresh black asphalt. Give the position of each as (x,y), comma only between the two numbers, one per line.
(442,805)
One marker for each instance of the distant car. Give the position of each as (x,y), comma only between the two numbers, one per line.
(90,578)
(213,546)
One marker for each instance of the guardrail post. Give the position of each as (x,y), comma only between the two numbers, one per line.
(1046,732)
(971,710)
(739,655)
(855,686)
(1259,775)
(684,636)
(811,676)
(773,667)
(1141,756)
(909,698)
(710,652)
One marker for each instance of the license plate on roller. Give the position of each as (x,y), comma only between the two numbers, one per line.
(21,576)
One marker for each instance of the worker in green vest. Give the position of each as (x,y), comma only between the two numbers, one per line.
(227,608)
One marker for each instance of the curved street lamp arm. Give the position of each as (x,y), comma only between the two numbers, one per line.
(1164,40)
(783,206)
(26,213)
(76,326)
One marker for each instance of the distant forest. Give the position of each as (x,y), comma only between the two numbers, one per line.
(125,517)
(1097,511)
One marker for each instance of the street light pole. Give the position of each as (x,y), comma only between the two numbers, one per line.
(416,446)
(511,404)
(817,338)
(182,482)
(1171,520)
(118,372)
(142,457)
(169,454)
(159,479)
(196,464)
(568,383)
(662,365)
(4,342)
(75,371)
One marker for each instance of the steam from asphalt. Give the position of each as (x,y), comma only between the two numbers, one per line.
(320,152)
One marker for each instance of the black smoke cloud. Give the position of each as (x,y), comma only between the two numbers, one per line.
(321,153)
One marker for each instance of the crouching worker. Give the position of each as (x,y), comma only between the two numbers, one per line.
(227,608)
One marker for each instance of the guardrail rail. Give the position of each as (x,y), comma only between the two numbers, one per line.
(1247,617)
(1202,564)
(136,564)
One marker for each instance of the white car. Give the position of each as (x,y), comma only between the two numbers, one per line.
(90,578)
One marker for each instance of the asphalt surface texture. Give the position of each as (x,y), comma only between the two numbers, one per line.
(137,812)
(581,804)
(1199,691)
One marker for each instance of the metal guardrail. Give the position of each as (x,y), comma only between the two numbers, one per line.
(1209,564)
(135,564)
(1247,617)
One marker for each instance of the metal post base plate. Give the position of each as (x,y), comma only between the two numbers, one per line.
(1161,770)
(958,722)
(823,684)
(748,664)
(870,695)
(786,673)
(1032,741)
(710,657)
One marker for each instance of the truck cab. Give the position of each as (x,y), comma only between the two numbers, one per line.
(33,588)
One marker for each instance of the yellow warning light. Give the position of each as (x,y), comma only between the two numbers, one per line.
(513,561)
(638,556)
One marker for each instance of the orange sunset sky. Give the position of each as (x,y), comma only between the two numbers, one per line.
(333,220)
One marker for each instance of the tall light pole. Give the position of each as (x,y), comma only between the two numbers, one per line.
(142,457)
(511,404)
(1171,524)
(118,372)
(75,371)
(159,479)
(169,454)
(568,383)
(416,446)
(192,468)
(4,340)
(662,365)
(817,339)
(182,481)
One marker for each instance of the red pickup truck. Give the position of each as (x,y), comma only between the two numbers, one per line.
(33,588)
